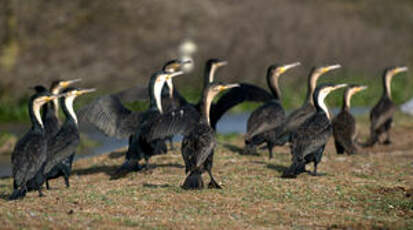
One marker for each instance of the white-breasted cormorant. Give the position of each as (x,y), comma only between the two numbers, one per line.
(270,114)
(30,153)
(344,124)
(309,139)
(381,115)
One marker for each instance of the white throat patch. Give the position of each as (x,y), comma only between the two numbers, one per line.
(321,97)
(69,105)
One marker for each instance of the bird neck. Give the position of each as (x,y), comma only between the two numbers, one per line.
(321,105)
(206,105)
(346,100)
(387,85)
(155,94)
(35,116)
(312,83)
(67,107)
(272,80)
(209,75)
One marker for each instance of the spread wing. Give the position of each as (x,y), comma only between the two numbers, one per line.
(179,121)
(245,92)
(108,114)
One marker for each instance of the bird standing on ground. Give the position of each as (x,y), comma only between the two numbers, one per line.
(309,139)
(199,144)
(381,115)
(298,116)
(270,114)
(344,124)
(30,153)
(61,148)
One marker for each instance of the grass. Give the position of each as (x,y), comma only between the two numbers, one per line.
(371,190)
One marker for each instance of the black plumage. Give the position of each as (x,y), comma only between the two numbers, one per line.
(381,115)
(309,139)
(294,120)
(198,145)
(61,147)
(30,153)
(269,115)
(344,124)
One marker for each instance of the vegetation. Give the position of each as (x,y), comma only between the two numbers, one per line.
(371,190)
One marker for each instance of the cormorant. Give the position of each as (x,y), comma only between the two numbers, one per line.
(199,144)
(344,124)
(61,147)
(137,150)
(294,120)
(381,115)
(270,113)
(309,139)
(30,153)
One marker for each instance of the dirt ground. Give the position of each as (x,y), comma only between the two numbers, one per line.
(371,190)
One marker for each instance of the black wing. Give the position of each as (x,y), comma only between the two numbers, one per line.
(235,96)
(264,118)
(179,121)
(109,115)
(61,146)
(381,113)
(344,130)
(312,135)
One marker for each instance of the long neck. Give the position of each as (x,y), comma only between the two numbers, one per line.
(35,117)
(321,105)
(55,103)
(67,107)
(206,105)
(346,100)
(209,74)
(272,81)
(312,82)
(155,92)
(387,85)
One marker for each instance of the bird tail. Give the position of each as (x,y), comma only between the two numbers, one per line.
(193,180)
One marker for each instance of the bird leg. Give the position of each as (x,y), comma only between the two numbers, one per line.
(213,183)
(40,191)
(67,181)
(387,141)
(171,143)
(47,185)
(270,147)
(315,170)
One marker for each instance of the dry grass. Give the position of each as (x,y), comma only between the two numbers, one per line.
(365,191)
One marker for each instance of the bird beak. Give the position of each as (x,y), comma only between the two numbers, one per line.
(84,91)
(229,86)
(174,74)
(289,66)
(52,97)
(330,68)
(400,69)
(361,88)
(222,63)
(65,84)
(339,86)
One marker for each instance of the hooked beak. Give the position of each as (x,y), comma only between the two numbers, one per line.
(52,97)
(400,70)
(361,88)
(84,91)
(229,86)
(330,68)
(222,63)
(289,66)
(174,74)
(338,86)
(65,84)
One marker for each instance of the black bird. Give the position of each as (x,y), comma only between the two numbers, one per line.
(61,147)
(309,139)
(30,153)
(270,113)
(136,150)
(381,115)
(344,124)
(199,144)
(298,116)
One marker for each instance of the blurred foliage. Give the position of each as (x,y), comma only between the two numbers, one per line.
(115,44)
